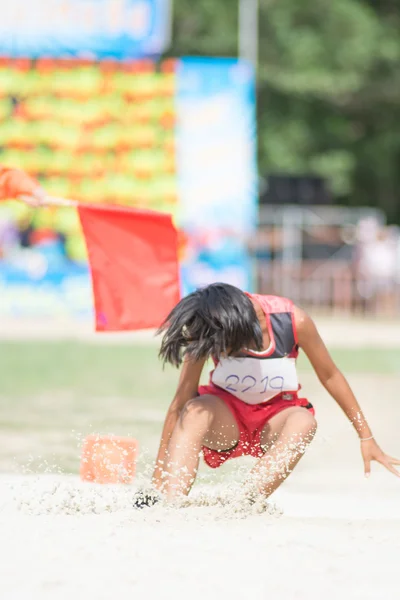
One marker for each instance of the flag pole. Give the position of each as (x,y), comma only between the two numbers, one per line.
(47,201)
(248,37)
(56,201)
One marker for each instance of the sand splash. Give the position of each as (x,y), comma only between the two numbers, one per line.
(52,495)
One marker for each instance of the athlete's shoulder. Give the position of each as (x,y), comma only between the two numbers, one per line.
(274,304)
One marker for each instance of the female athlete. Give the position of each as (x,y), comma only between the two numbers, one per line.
(251,404)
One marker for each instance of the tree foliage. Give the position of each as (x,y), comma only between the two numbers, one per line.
(328,88)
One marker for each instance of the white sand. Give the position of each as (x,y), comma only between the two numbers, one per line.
(338,537)
(329,544)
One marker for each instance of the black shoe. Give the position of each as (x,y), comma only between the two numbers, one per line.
(144,498)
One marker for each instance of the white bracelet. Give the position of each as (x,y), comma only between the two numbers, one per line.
(366,439)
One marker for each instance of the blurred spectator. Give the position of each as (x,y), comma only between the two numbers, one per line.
(25,231)
(325,243)
(9,237)
(260,245)
(377,266)
(397,229)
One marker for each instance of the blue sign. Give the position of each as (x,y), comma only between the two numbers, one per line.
(217,170)
(117,29)
(216,141)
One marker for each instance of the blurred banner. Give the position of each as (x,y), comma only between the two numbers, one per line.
(94,28)
(176,136)
(217,172)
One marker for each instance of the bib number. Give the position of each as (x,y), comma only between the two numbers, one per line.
(233,383)
(256,381)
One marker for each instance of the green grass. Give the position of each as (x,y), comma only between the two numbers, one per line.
(365,360)
(32,368)
(98,370)
(54,393)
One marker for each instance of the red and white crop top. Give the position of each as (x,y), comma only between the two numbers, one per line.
(256,377)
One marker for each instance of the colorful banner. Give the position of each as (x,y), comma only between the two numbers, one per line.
(217,172)
(85,28)
(28,291)
(177,137)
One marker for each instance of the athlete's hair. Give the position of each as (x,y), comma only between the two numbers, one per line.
(212,321)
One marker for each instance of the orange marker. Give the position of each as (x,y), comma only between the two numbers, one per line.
(108,459)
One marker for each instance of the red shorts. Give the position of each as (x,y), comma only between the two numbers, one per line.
(251,419)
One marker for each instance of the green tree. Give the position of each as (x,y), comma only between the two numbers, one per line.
(328,88)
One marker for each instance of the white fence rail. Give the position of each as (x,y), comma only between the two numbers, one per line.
(332,287)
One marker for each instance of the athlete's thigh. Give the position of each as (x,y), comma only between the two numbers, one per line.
(273,428)
(223,432)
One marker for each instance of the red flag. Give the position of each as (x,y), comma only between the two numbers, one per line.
(134,265)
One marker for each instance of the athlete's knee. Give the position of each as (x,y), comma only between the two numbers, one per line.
(303,422)
(198,411)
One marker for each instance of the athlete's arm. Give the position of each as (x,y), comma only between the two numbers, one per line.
(186,390)
(15,183)
(336,384)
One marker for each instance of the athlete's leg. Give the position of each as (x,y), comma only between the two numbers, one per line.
(285,437)
(204,421)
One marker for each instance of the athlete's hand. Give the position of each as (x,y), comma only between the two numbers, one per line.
(16,183)
(36,198)
(371,451)
(40,198)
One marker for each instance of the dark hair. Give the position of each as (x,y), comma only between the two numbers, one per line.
(213,320)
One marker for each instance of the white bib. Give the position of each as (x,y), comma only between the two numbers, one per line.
(255,380)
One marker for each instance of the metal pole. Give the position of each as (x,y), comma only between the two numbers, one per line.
(248,31)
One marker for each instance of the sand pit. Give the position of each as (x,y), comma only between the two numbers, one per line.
(338,536)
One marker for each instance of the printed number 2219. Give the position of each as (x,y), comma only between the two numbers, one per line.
(249,382)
